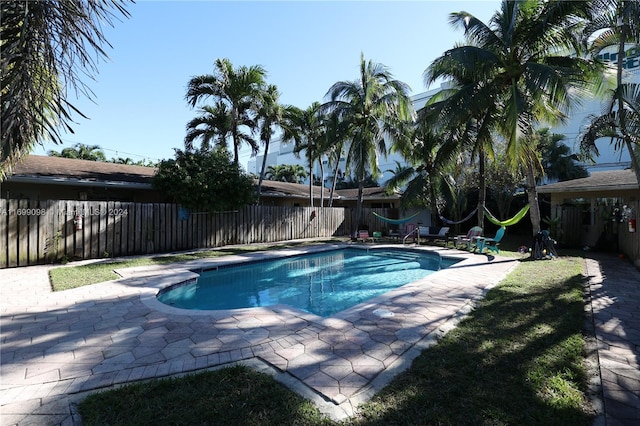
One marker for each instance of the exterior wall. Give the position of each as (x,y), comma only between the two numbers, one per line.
(608,159)
(590,224)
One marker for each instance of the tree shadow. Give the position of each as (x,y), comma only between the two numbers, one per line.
(478,373)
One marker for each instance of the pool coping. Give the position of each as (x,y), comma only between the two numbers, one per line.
(193,271)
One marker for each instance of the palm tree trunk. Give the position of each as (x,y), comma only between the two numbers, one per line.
(359,207)
(321,183)
(532,195)
(310,182)
(434,203)
(335,181)
(264,166)
(482,187)
(234,136)
(333,189)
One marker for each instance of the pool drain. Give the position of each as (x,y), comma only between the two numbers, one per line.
(383,313)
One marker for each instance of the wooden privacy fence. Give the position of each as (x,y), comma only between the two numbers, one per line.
(38,232)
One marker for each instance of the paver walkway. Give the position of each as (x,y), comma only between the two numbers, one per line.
(615,303)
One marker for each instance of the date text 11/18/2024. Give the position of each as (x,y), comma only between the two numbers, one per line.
(91,211)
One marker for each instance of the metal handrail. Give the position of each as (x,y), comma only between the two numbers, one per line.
(417,229)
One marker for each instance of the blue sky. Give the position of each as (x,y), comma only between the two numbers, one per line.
(139,109)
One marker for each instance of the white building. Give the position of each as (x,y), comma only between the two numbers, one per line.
(282,153)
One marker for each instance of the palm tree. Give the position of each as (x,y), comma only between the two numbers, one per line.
(46,48)
(239,90)
(120,160)
(373,106)
(213,125)
(556,157)
(510,76)
(615,23)
(428,156)
(336,135)
(306,128)
(81,151)
(460,115)
(293,173)
(270,114)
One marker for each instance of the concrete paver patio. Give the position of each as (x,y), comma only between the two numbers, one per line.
(57,347)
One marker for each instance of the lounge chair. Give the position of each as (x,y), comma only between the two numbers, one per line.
(490,243)
(430,233)
(364,236)
(470,239)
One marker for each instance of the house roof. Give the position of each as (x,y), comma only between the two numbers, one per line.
(377,192)
(611,180)
(274,188)
(43,169)
(298,190)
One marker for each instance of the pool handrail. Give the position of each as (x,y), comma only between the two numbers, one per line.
(417,229)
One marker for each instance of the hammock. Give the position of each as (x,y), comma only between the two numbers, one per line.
(451,222)
(395,221)
(507,222)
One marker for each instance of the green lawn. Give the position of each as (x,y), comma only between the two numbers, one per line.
(517,359)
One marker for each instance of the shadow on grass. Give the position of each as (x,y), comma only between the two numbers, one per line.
(515,360)
(233,396)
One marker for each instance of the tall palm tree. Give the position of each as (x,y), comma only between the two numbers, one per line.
(613,23)
(375,106)
(511,75)
(336,135)
(47,47)
(81,151)
(239,89)
(461,118)
(428,157)
(306,128)
(270,114)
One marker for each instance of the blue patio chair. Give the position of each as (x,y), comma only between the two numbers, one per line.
(490,244)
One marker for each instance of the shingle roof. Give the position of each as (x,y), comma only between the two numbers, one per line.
(373,192)
(286,189)
(42,166)
(58,170)
(598,181)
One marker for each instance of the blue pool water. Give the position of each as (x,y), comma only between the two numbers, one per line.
(321,283)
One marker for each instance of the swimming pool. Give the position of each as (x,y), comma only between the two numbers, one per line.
(321,283)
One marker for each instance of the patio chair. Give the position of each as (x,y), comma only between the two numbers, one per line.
(490,244)
(470,239)
(364,236)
